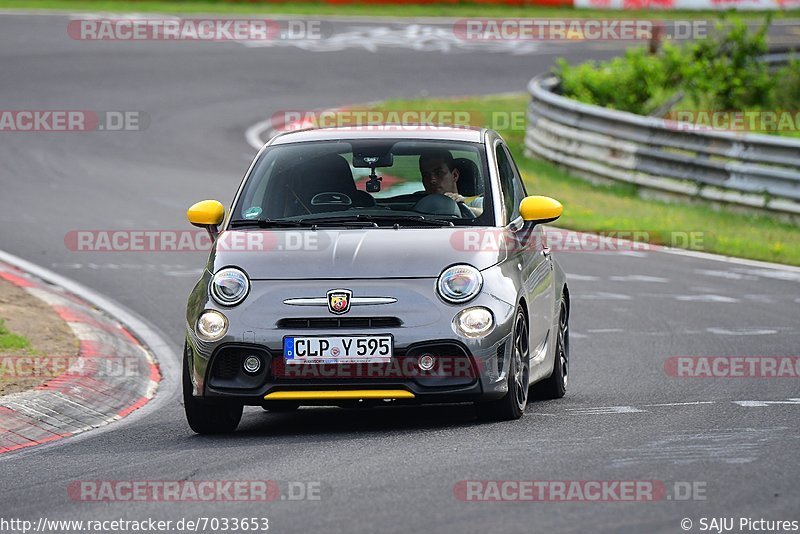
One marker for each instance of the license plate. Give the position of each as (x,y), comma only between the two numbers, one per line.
(338,349)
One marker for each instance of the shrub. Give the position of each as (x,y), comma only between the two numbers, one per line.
(722,72)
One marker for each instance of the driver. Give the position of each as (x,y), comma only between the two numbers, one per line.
(440,175)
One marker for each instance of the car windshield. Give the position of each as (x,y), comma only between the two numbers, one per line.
(367,183)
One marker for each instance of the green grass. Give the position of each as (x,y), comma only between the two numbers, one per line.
(463,9)
(11,341)
(616,208)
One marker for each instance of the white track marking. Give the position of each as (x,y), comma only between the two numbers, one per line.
(705,298)
(639,278)
(582,277)
(761,404)
(253,134)
(602,410)
(694,403)
(728,275)
(791,276)
(741,331)
(600,295)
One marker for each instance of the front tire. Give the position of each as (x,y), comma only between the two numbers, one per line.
(206,417)
(512,405)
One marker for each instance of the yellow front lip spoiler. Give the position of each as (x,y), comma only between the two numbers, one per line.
(349,394)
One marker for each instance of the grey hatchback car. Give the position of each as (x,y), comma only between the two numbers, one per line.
(376,265)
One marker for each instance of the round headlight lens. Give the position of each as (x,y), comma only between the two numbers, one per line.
(474,322)
(212,325)
(229,286)
(459,283)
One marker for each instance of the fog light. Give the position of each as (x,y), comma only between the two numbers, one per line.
(251,364)
(474,322)
(212,325)
(426,362)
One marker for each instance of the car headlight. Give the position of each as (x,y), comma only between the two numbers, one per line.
(474,322)
(212,325)
(459,284)
(229,286)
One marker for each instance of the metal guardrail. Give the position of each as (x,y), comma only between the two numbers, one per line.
(751,170)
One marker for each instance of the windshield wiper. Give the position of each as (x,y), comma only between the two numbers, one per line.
(305,223)
(386,219)
(268,223)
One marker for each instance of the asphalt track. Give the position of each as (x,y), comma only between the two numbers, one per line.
(387,470)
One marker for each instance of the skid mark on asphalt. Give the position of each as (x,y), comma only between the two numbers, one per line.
(730,446)
(763,299)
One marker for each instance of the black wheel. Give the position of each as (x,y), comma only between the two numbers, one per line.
(512,405)
(206,417)
(281,406)
(556,386)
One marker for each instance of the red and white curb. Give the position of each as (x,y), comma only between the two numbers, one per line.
(91,393)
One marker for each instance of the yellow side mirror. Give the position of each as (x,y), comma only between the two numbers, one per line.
(540,209)
(206,213)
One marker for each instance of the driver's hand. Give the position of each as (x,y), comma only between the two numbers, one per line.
(455,196)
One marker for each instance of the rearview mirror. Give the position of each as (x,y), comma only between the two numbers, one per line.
(370,160)
(207,214)
(540,209)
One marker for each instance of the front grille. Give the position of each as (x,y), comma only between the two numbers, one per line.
(339,322)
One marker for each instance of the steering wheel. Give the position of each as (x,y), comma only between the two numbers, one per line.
(438,204)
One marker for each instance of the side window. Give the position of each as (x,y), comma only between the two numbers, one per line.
(506,173)
(519,187)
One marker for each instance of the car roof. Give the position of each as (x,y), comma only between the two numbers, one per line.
(383,131)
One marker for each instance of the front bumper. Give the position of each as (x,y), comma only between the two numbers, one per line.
(467,369)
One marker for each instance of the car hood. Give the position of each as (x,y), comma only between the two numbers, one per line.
(355,253)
